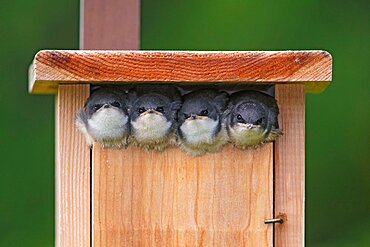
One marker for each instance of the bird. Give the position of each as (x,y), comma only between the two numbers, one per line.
(104,117)
(153,111)
(201,128)
(252,119)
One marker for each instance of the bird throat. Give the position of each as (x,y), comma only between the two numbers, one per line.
(108,123)
(199,130)
(151,127)
(245,137)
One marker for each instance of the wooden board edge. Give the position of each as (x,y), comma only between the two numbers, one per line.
(51,87)
(289,167)
(316,87)
(72,171)
(31,79)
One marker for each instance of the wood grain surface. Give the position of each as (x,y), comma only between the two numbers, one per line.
(72,171)
(51,67)
(110,24)
(172,199)
(290,166)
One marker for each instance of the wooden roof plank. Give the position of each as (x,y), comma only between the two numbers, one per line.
(53,67)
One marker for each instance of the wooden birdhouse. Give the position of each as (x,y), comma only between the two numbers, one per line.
(131,197)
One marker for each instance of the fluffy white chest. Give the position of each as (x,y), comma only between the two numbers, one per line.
(150,127)
(199,131)
(247,137)
(108,123)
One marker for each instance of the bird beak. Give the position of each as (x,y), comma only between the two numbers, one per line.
(105,106)
(248,125)
(196,117)
(150,111)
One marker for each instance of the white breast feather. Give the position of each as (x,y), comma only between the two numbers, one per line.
(199,138)
(108,124)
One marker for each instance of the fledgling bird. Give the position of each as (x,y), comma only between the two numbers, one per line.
(252,119)
(201,128)
(153,116)
(104,118)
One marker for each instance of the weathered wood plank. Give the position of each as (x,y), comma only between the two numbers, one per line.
(51,67)
(289,166)
(72,171)
(110,24)
(171,199)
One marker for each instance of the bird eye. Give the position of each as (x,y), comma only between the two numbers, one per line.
(259,121)
(141,109)
(204,113)
(239,117)
(97,107)
(115,104)
(160,109)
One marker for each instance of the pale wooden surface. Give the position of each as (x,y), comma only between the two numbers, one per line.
(72,171)
(110,24)
(289,166)
(171,199)
(51,67)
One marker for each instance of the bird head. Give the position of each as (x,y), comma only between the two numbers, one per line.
(249,115)
(197,109)
(153,103)
(106,98)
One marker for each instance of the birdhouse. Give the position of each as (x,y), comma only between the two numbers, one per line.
(133,197)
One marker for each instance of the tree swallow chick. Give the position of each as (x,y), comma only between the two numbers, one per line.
(252,119)
(153,116)
(104,118)
(201,128)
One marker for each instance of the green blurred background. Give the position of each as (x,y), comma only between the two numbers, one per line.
(337,143)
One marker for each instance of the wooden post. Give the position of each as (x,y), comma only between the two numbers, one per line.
(110,25)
